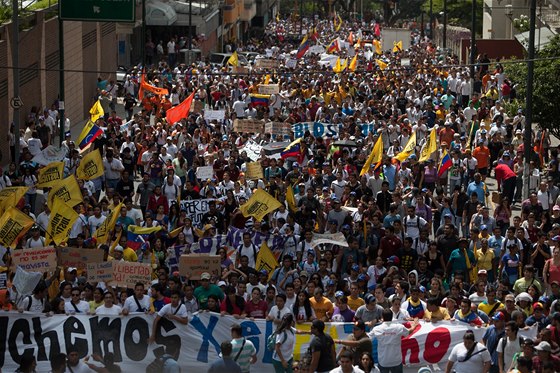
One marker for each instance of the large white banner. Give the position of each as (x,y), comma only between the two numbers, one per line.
(198,342)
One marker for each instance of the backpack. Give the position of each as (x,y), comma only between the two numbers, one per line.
(271,341)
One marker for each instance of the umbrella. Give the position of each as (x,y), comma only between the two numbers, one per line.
(346,143)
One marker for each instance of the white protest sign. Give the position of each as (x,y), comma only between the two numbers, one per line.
(196,208)
(204,172)
(25,282)
(214,115)
(253,150)
(269,89)
(291,63)
(267,63)
(278,128)
(334,238)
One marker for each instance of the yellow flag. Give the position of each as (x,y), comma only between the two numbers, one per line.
(233,60)
(96,111)
(68,191)
(91,166)
(339,25)
(340,67)
(102,233)
(429,147)
(61,221)
(10,196)
(142,230)
(13,225)
(375,156)
(266,260)
(382,65)
(175,232)
(397,46)
(260,204)
(353,63)
(290,198)
(267,79)
(408,149)
(50,175)
(378,48)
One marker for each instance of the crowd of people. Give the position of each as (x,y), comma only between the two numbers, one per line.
(419,244)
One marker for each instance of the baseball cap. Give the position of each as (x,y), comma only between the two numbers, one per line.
(362,277)
(448,216)
(304,274)
(483,227)
(556,208)
(222,283)
(538,305)
(543,346)
(331,283)
(360,325)
(482,272)
(295,164)
(339,293)
(510,297)
(117,248)
(72,269)
(394,259)
(205,276)
(499,316)
(356,268)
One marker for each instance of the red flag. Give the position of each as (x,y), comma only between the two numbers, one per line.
(180,111)
(377,30)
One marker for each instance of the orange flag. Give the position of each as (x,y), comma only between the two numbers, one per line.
(144,86)
(180,111)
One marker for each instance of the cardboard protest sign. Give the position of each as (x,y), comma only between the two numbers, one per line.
(195,265)
(241,70)
(269,89)
(267,63)
(278,128)
(248,125)
(35,260)
(78,258)
(127,274)
(204,172)
(254,171)
(197,107)
(100,272)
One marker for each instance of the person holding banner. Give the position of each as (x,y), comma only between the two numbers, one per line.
(175,311)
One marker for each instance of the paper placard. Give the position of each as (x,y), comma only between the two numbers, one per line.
(196,208)
(78,258)
(267,63)
(291,63)
(127,274)
(241,70)
(197,107)
(253,150)
(35,260)
(100,272)
(195,265)
(278,128)
(254,171)
(204,172)
(269,89)
(248,125)
(214,114)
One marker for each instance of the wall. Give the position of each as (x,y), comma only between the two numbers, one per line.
(88,46)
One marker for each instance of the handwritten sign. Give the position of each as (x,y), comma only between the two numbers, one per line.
(35,260)
(127,274)
(291,63)
(100,272)
(267,63)
(196,264)
(278,128)
(204,172)
(254,171)
(241,70)
(269,89)
(214,115)
(78,258)
(253,150)
(248,125)
(196,208)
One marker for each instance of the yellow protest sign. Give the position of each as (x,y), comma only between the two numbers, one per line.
(254,171)
(260,204)
(91,166)
(61,221)
(68,191)
(102,233)
(50,175)
(13,225)
(10,196)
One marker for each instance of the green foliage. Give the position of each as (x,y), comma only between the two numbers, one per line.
(522,23)
(458,12)
(546,85)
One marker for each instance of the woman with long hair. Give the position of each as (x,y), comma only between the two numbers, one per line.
(302,308)
(502,214)
(366,362)
(233,304)
(551,271)
(283,356)
(97,300)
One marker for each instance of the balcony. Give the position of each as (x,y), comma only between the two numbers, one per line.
(249,10)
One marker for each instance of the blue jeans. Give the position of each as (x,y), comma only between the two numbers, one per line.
(278,368)
(395,369)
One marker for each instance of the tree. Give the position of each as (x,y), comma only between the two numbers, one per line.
(546,85)
(459,13)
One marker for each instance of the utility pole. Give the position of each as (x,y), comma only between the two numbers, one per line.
(15,63)
(444,24)
(143,38)
(61,109)
(528,135)
(190,28)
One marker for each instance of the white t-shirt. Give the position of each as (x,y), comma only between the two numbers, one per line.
(113,311)
(287,340)
(94,223)
(77,227)
(37,305)
(278,314)
(389,335)
(131,305)
(168,309)
(83,307)
(511,348)
(474,364)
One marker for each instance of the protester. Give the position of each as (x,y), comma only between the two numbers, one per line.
(469,356)
(226,363)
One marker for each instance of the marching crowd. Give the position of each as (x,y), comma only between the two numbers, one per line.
(424,236)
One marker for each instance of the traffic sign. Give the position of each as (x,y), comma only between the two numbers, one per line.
(98,10)
(16,103)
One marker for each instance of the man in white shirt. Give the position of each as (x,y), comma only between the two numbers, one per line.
(388,337)
(113,168)
(76,305)
(137,302)
(34,303)
(345,361)
(469,356)
(249,249)
(108,308)
(75,365)
(96,220)
(172,311)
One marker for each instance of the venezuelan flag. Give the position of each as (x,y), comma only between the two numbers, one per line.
(445,164)
(260,100)
(292,150)
(88,135)
(333,46)
(303,47)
